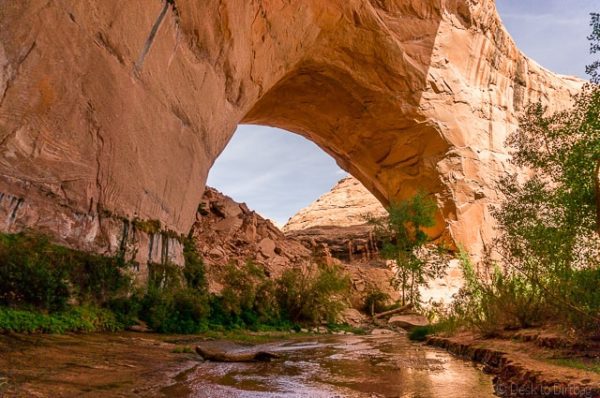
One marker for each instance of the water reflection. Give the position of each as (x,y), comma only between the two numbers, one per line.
(340,366)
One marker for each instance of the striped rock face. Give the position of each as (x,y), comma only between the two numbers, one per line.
(112,112)
(347,204)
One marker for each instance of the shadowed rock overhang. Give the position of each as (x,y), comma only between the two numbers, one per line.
(112,112)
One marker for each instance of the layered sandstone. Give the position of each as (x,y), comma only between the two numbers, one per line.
(338,220)
(110,111)
(348,203)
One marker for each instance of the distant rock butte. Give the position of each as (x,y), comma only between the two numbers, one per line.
(338,222)
(110,111)
(348,203)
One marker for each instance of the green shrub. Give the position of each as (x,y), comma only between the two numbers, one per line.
(496,302)
(179,311)
(581,287)
(126,309)
(375,301)
(247,299)
(28,276)
(194,271)
(165,276)
(420,333)
(312,295)
(95,278)
(35,273)
(79,319)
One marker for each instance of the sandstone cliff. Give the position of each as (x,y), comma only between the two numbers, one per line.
(111,112)
(348,203)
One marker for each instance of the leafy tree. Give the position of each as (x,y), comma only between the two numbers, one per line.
(550,221)
(404,239)
(313,294)
(594,68)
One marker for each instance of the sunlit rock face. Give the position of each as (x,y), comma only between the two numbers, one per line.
(110,111)
(227,232)
(347,204)
(339,221)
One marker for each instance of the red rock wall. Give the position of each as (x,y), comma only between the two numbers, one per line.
(114,110)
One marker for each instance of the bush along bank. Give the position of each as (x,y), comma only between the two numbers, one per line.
(48,288)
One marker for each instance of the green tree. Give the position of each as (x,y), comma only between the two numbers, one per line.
(594,68)
(550,220)
(403,236)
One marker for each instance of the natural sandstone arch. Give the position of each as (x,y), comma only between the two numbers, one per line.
(114,110)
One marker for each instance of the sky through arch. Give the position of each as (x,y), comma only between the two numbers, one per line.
(277,173)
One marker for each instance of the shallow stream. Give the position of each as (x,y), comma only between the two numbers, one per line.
(338,366)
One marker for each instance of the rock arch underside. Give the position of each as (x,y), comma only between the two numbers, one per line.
(112,112)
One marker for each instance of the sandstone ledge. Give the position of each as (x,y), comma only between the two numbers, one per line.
(522,368)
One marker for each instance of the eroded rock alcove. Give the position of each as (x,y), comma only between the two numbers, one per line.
(112,112)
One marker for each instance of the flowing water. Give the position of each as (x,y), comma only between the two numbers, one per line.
(338,366)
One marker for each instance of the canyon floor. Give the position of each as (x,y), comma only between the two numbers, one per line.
(147,365)
(384,364)
(536,362)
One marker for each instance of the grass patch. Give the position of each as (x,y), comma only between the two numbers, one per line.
(182,350)
(590,366)
(78,319)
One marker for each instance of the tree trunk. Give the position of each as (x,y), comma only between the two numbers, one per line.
(394,311)
(235,356)
(597,194)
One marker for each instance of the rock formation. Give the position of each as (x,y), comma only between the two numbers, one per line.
(110,111)
(347,204)
(229,232)
(338,221)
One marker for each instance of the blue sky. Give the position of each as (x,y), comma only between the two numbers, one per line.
(277,173)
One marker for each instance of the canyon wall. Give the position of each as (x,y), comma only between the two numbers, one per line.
(112,112)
